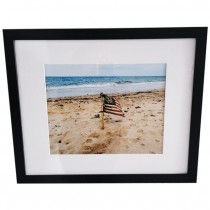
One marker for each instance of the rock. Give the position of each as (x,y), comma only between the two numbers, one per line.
(97,116)
(137,107)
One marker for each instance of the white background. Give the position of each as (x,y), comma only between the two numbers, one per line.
(93,13)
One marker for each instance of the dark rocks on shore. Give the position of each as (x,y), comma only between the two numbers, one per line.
(96,116)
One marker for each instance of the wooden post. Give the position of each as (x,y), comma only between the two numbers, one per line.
(102,112)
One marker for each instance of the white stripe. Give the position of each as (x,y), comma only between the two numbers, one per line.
(115,110)
(112,107)
(115,113)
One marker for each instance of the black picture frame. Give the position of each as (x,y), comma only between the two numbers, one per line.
(199,33)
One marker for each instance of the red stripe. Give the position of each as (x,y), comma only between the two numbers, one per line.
(112,107)
(117,102)
(114,110)
(109,112)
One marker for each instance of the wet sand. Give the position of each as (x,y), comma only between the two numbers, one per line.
(75,125)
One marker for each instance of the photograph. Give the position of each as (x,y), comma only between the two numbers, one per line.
(105,108)
(118,105)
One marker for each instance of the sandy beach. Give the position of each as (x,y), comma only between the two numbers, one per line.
(75,125)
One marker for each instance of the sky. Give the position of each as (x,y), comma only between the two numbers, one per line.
(105,69)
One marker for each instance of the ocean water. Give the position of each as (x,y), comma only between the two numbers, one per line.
(79,86)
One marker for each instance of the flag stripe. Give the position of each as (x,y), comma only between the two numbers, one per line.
(115,110)
(112,107)
(109,105)
(115,113)
(117,103)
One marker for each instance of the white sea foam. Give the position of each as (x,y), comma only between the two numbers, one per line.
(93,89)
(81,86)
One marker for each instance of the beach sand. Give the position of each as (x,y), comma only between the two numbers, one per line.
(75,125)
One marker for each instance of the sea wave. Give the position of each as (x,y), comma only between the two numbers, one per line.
(82,86)
(102,85)
(124,82)
(66,91)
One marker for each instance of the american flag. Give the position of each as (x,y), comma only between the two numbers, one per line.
(111,105)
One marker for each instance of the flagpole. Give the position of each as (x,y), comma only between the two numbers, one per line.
(102,112)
